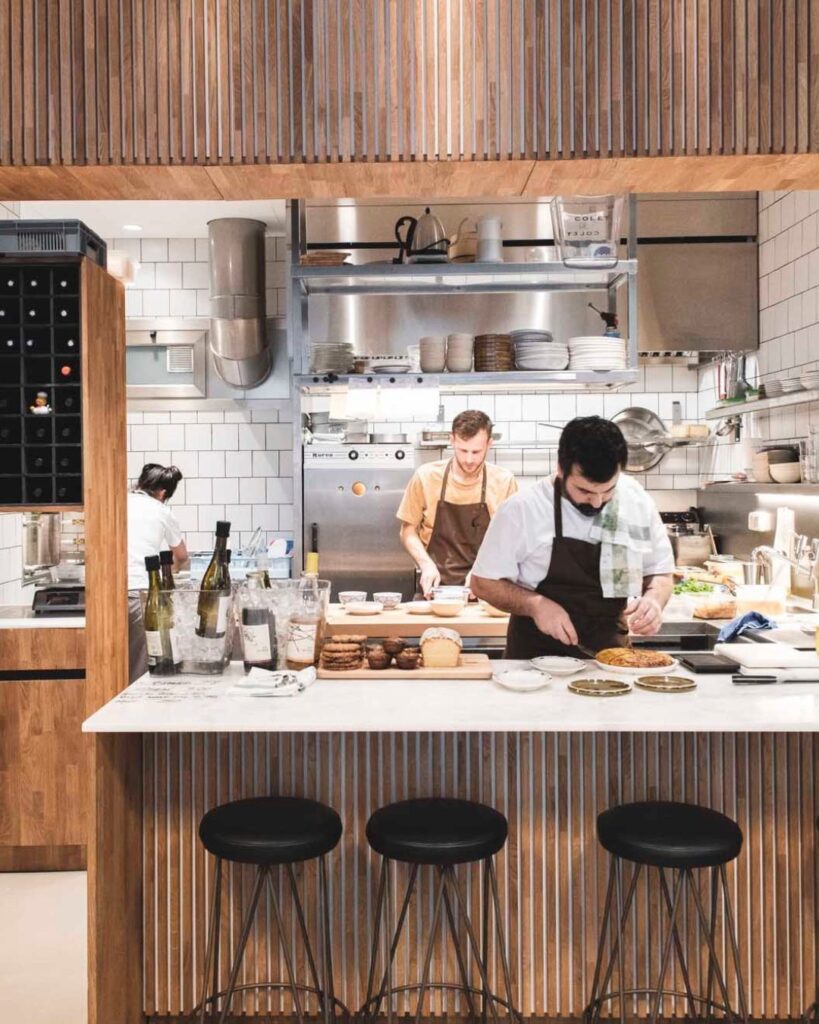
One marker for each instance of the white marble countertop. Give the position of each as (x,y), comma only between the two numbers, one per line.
(201,704)
(21,616)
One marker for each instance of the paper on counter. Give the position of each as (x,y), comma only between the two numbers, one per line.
(261,683)
(768,656)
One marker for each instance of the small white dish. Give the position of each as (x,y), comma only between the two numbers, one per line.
(417,608)
(622,670)
(364,608)
(522,680)
(559,665)
(388,598)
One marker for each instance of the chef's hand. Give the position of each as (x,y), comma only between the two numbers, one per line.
(644,615)
(430,577)
(553,619)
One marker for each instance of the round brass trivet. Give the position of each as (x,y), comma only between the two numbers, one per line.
(600,687)
(666,684)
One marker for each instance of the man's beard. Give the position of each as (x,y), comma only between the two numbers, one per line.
(587,510)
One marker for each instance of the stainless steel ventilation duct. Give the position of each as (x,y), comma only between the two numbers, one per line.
(238,340)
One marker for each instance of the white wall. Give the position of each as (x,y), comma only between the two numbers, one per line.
(11,526)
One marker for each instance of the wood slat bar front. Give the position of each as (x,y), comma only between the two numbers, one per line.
(552,874)
(183,82)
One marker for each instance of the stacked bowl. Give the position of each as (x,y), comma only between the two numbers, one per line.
(459,349)
(493,353)
(432,353)
(535,350)
(810,379)
(597,352)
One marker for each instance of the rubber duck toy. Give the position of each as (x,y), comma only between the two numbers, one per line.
(40,406)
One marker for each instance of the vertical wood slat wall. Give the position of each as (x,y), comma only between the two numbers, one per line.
(261,81)
(552,874)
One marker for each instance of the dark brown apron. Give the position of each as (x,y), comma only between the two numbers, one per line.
(457,534)
(573,581)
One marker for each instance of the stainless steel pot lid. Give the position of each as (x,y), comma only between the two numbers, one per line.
(645,433)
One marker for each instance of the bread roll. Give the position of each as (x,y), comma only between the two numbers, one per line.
(716,609)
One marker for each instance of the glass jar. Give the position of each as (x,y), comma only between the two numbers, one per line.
(307,622)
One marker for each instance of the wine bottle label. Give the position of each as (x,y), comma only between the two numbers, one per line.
(176,654)
(153,642)
(301,642)
(221,618)
(256,640)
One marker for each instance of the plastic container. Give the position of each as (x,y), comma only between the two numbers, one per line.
(47,237)
(760,597)
(587,230)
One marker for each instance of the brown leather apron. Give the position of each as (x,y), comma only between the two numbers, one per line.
(457,534)
(573,581)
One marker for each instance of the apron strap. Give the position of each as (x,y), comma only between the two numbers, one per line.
(483,486)
(442,496)
(558,510)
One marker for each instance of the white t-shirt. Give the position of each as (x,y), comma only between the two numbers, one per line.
(518,543)
(152,528)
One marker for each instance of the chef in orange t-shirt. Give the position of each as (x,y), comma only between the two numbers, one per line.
(447,505)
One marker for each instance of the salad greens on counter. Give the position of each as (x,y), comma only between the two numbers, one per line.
(691,586)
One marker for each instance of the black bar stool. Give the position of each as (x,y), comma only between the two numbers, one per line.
(270,831)
(679,838)
(440,833)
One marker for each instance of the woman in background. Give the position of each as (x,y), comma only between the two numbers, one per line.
(152,528)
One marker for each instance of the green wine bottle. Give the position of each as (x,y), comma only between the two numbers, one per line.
(158,619)
(166,562)
(214,597)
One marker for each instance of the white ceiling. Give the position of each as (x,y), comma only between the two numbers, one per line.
(166,218)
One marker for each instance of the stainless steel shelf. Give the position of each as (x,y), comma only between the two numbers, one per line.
(762,404)
(444,278)
(762,488)
(562,380)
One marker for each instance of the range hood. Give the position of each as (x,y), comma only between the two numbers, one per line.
(697,286)
(238,340)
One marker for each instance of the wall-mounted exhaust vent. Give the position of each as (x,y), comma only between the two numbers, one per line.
(238,341)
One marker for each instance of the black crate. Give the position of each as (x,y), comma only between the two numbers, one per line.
(50,237)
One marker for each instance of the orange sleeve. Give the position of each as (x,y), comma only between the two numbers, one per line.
(411,509)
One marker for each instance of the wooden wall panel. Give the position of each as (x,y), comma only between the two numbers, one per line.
(321,81)
(552,873)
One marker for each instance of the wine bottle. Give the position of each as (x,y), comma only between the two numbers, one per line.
(158,619)
(259,639)
(166,561)
(214,597)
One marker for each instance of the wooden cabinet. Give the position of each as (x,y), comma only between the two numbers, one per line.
(44,762)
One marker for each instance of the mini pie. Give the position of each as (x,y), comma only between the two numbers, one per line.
(626,657)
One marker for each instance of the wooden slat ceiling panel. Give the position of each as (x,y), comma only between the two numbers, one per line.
(92,82)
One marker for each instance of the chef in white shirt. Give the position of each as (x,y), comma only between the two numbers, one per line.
(152,528)
(580,559)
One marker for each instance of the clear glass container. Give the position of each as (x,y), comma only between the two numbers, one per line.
(307,622)
(197,655)
(587,230)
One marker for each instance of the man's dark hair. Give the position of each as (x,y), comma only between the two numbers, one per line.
(155,478)
(596,446)
(471,422)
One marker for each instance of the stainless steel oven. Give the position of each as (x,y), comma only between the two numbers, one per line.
(351,494)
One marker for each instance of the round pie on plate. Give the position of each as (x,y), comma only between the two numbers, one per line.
(630,660)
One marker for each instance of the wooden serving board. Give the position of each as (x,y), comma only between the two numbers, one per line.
(472,666)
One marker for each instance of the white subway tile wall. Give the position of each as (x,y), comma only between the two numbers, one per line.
(788,324)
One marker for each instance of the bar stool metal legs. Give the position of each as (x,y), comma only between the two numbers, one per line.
(615,921)
(322,982)
(448,903)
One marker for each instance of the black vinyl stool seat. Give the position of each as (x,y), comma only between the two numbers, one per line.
(271,833)
(669,835)
(439,833)
(675,840)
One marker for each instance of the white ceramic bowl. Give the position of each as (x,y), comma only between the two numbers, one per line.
(352,596)
(786,472)
(364,608)
(388,598)
(446,608)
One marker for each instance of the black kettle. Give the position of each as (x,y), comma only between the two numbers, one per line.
(423,241)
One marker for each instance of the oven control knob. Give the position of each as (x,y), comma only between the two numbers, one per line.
(353,454)
(400,454)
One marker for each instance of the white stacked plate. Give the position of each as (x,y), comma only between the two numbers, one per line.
(530,335)
(332,358)
(547,356)
(791,384)
(774,388)
(810,380)
(597,353)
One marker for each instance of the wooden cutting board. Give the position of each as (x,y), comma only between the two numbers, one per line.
(472,666)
